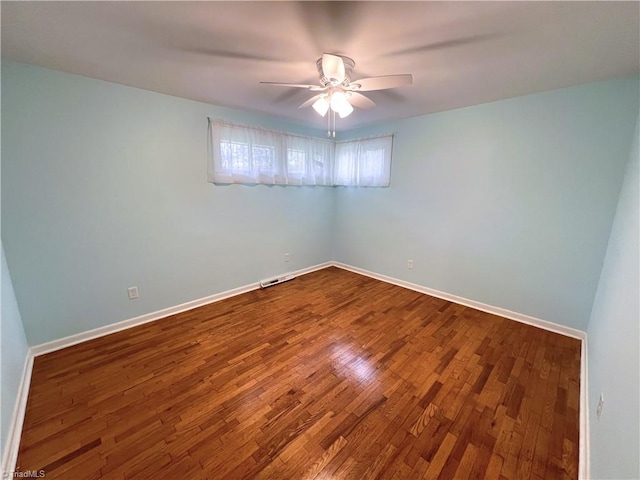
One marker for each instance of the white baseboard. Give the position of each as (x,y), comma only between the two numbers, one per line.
(12,445)
(584,465)
(153,316)
(501,312)
(583,448)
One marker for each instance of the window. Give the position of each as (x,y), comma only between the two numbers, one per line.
(295,161)
(235,156)
(249,155)
(264,157)
(364,162)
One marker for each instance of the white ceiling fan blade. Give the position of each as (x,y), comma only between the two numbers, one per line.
(358,100)
(313,88)
(381,83)
(333,68)
(311,101)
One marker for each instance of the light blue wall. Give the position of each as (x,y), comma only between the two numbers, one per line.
(104,187)
(13,354)
(508,203)
(614,341)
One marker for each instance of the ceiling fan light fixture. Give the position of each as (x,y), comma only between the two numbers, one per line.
(321,106)
(345,110)
(338,100)
(340,104)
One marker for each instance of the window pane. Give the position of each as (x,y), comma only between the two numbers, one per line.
(263,157)
(365,162)
(235,156)
(295,161)
(373,163)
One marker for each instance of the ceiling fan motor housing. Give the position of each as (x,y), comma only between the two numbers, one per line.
(349,64)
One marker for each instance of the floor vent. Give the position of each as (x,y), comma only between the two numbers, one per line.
(275,281)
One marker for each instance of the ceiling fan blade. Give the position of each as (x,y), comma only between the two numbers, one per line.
(311,101)
(456,42)
(358,100)
(313,88)
(232,55)
(381,83)
(333,68)
(331,25)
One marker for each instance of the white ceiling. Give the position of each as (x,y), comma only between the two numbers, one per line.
(460,53)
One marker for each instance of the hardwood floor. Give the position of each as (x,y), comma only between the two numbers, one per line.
(332,375)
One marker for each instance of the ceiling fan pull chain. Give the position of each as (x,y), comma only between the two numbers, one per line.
(334,123)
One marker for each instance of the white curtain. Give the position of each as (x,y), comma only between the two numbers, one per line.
(363,162)
(250,155)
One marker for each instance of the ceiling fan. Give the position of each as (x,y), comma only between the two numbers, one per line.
(338,93)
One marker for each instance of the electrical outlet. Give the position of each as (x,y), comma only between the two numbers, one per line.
(600,405)
(133,293)
(410,264)
(287,257)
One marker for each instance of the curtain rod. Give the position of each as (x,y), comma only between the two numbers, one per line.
(370,137)
(262,129)
(267,130)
